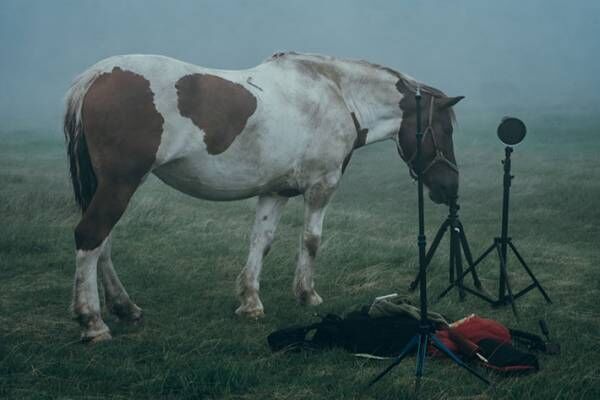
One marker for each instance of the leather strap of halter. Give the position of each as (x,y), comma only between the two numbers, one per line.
(361,134)
(439,154)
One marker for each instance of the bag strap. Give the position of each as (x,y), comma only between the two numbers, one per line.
(530,340)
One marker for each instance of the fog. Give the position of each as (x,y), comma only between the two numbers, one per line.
(508,55)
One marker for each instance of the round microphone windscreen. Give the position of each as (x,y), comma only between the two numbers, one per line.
(511,130)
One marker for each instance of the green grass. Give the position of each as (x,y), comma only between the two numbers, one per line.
(179,257)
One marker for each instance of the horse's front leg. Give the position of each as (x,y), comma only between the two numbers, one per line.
(316,199)
(268,212)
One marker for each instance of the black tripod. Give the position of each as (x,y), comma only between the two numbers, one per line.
(501,245)
(458,246)
(426,328)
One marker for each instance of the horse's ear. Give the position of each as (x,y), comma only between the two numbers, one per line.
(447,102)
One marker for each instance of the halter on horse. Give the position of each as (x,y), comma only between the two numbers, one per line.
(439,157)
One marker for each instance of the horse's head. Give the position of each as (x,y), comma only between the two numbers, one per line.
(440,173)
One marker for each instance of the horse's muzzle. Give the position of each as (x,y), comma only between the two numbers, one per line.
(441,194)
(438,197)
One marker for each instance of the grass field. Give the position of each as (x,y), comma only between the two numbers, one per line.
(179,256)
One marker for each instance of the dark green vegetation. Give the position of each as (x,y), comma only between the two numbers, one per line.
(179,257)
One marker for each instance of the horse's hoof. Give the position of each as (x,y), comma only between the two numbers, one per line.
(252,313)
(127,312)
(311,298)
(135,318)
(96,339)
(101,338)
(138,319)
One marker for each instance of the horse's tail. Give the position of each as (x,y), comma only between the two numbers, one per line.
(82,173)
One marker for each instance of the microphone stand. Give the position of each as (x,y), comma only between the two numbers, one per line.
(501,244)
(426,332)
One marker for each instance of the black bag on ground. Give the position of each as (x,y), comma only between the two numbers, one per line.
(356,333)
(290,339)
(505,359)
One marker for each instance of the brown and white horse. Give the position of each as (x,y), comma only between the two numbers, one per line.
(284,128)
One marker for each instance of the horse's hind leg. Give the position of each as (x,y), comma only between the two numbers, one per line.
(91,238)
(316,199)
(268,212)
(86,303)
(117,299)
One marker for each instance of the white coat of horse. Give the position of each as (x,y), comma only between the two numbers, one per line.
(286,127)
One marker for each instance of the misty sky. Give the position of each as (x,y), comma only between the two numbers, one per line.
(507,54)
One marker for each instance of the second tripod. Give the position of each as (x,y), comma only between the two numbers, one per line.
(458,246)
(501,244)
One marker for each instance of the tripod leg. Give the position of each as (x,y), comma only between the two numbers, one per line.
(452,262)
(468,255)
(504,272)
(421,355)
(409,346)
(481,257)
(524,264)
(458,264)
(434,245)
(440,346)
(484,255)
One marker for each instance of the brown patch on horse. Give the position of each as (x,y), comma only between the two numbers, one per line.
(121,124)
(219,107)
(122,129)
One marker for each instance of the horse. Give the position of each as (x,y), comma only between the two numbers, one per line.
(286,127)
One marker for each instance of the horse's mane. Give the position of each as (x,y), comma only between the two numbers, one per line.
(408,83)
